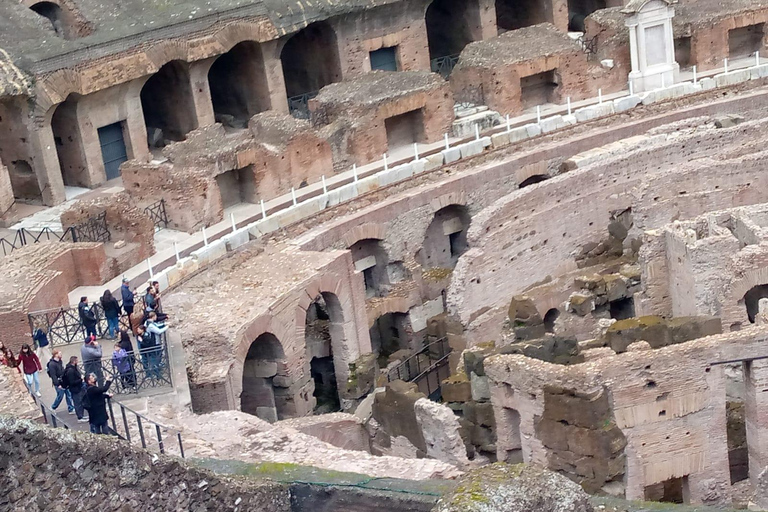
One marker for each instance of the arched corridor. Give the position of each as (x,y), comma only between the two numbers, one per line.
(514,14)
(323,325)
(259,370)
(451,25)
(310,60)
(167,102)
(69,144)
(390,333)
(371,259)
(238,84)
(752,300)
(446,237)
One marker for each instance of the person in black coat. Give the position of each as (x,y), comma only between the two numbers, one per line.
(56,373)
(72,380)
(112,311)
(87,317)
(97,404)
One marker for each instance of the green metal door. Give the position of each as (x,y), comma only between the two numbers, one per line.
(113,150)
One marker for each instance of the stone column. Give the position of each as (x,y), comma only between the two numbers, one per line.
(45,162)
(273,70)
(652,45)
(756,415)
(135,130)
(201,92)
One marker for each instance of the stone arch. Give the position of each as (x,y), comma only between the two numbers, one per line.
(451,25)
(310,59)
(259,396)
(550,317)
(371,259)
(168,103)
(323,333)
(238,84)
(446,237)
(452,198)
(532,180)
(752,299)
(68,141)
(363,231)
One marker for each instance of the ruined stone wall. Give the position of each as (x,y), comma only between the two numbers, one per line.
(86,472)
(543,245)
(673,417)
(6,189)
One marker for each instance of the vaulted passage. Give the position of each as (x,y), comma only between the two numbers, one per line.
(452,25)
(446,237)
(514,14)
(371,259)
(166,100)
(324,325)
(238,84)
(259,370)
(578,10)
(69,146)
(310,60)
(752,300)
(390,333)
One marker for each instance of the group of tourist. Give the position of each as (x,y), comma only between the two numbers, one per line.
(89,394)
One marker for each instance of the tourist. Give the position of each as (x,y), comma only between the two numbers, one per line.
(7,358)
(128,300)
(122,366)
(112,312)
(92,354)
(56,372)
(158,303)
(125,344)
(31,366)
(72,380)
(87,317)
(97,404)
(150,346)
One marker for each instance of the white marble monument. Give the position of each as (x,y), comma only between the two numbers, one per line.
(651,43)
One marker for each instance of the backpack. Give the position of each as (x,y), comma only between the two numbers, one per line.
(148,340)
(63,381)
(48,369)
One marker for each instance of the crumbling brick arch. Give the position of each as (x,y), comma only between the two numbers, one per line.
(238,84)
(371,259)
(263,363)
(368,230)
(446,237)
(66,18)
(451,25)
(735,312)
(69,144)
(168,103)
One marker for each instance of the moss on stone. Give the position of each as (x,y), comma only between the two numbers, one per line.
(635,323)
(436,274)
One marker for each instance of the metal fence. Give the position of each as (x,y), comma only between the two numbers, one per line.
(427,368)
(63,325)
(444,65)
(93,230)
(146,369)
(298,106)
(156,212)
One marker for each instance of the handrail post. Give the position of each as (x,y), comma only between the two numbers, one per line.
(111,413)
(141,432)
(125,424)
(42,409)
(181,446)
(160,439)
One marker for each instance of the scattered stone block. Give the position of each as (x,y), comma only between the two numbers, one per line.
(451,155)
(533,129)
(481,388)
(581,304)
(456,388)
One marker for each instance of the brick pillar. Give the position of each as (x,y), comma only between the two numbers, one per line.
(201,92)
(488,28)
(756,412)
(273,70)
(45,162)
(135,129)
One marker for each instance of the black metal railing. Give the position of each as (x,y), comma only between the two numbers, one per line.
(298,106)
(443,66)
(156,212)
(63,326)
(133,425)
(92,230)
(145,369)
(427,368)
(589,45)
(49,417)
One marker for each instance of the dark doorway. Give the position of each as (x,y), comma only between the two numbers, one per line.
(578,10)
(54,14)
(674,490)
(310,60)
(404,129)
(532,180)
(238,84)
(113,151)
(539,89)
(24,182)
(371,259)
(550,317)
(69,146)
(259,369)
(752,300)
(384,59)
(168,104)
(622,309)
(446,237)
(390,332)
(683,52)
(236,186)
(452,25)
(745,41)
(513,14)
(324,321)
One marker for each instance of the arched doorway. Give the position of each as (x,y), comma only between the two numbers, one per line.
(324,326)
(15,151)
(238,84)
(390,333)
(550,318)
(371,259)
(446,237)
(69,144)
(54,14)
(259,370)
(168,105)
(451,25)
(310,60)
(752,300)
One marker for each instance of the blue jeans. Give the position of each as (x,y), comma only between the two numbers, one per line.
(61,393)
(113,326)
(31,379)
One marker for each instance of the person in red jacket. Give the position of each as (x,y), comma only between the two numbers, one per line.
(31,366)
